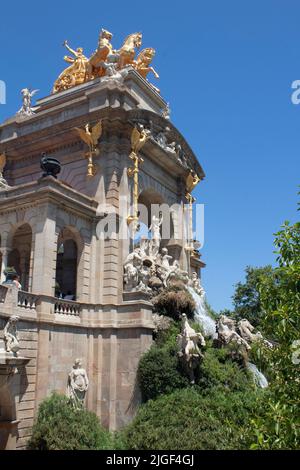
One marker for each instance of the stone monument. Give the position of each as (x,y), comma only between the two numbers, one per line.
(112,163)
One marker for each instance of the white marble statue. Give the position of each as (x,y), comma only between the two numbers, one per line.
(162,139)
(27,109)
(165,270)
(10,335)
(227,333)
(189,342)
(245,330)
(78,384)
(181,155)
(132,266)
(155,235)
(112,73)
(166,112)
(196,284)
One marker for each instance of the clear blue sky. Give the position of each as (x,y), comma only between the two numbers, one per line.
(226,68)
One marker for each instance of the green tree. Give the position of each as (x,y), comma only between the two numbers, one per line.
(246,298)
(280,299)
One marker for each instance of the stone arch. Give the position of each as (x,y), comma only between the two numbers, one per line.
(69,263)
(19,244)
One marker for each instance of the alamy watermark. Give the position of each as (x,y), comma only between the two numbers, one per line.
(295,96)
(2,92)
(176,221)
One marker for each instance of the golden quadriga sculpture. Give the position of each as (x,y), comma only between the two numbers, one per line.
(105,61)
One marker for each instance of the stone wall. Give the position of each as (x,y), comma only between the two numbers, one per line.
(109,340)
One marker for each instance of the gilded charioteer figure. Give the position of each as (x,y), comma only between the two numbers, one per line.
(76,73)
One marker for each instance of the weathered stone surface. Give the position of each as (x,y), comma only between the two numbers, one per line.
(106,330)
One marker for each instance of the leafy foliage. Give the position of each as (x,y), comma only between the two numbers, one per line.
(186,419)
(246,299)
(280,298)
(218,371)
(159,370)
(60,427)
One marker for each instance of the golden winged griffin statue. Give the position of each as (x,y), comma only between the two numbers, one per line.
(106,62)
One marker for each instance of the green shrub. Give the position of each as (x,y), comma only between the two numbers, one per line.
(218,370)
(186,419)
(159,372)
(60,427)
(174,301)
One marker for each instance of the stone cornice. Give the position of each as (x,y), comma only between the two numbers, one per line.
(47,190)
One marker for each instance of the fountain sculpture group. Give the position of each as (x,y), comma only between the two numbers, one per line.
(149,268)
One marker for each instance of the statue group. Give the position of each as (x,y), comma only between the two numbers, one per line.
(106,62)
(240,333)
(149,267)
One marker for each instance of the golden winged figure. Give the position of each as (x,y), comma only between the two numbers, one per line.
(2,163)
(192,181)
(138,139)
(91,137)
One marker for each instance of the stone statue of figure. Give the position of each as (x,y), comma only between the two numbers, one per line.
(155,235)
(189,342)
(166,270)
(3,182)
(78,384)
(11,339)
(227,333)
(166,112)
(26,109)
(132,267)
(196,284)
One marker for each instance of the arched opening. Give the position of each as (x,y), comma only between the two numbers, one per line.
(152,204)
(67,261)
(19,256)
(149,200)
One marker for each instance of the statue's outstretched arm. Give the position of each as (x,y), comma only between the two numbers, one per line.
(70,49)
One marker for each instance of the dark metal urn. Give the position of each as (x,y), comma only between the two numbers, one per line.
(10,273)
(50,166)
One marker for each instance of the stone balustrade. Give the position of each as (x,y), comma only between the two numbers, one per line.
(27,300)
(67,307)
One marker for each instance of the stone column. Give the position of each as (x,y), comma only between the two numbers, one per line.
(4,252)
(44,251)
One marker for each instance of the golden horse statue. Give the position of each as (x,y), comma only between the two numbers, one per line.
(103,51)
(127,51)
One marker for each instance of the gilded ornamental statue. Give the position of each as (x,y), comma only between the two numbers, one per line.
(105,61)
